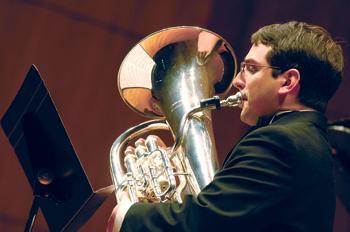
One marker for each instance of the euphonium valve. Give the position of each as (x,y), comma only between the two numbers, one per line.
(172,76)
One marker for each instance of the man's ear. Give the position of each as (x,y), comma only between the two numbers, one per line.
(290,80)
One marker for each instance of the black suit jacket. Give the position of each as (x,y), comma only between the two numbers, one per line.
(278,178)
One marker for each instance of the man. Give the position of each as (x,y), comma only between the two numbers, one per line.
(279,176)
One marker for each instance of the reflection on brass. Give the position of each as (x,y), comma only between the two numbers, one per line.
(186,58)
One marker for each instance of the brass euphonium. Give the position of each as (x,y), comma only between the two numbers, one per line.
(172,76)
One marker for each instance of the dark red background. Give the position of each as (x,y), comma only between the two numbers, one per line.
(78,47)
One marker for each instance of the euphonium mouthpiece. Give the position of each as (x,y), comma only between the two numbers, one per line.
(215,102)
(233,100)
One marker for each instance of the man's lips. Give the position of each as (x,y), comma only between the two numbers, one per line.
(244,99)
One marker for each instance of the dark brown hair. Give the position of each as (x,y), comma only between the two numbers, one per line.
(311,50)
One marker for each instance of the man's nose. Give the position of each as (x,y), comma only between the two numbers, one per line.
(238,82)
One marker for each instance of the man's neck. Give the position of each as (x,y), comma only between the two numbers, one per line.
(295,107)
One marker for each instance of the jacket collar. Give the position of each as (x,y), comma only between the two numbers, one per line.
(315,117)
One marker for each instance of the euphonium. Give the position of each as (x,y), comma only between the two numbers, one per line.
(172,75)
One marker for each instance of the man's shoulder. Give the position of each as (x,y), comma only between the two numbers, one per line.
(297,124)
(288,138)
(282,130)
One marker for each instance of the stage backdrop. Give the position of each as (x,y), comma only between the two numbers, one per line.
(78,47)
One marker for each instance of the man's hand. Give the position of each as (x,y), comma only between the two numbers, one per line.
(116,219)
(124,203)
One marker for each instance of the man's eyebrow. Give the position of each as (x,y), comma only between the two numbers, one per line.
(250,61)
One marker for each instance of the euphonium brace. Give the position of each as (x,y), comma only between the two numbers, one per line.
(172,75)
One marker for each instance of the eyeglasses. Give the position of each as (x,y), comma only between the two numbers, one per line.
(253,68)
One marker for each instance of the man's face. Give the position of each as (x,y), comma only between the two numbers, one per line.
(255,80)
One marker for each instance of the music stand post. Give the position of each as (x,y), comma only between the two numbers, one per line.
(32,214)
(60,187)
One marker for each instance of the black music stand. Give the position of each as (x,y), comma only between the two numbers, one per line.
(60,187)
(339,136)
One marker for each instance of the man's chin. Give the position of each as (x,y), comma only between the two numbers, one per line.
(247,119)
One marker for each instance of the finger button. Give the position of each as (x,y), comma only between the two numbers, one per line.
(151,143)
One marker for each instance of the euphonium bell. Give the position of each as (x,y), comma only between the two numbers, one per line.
(172,76)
